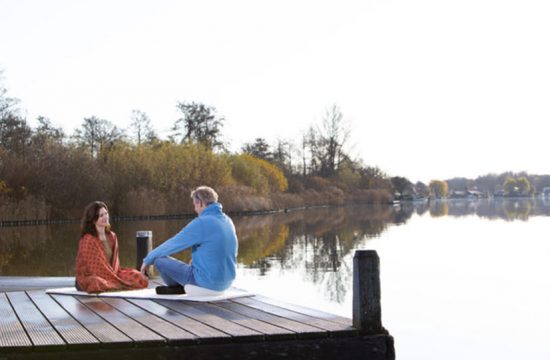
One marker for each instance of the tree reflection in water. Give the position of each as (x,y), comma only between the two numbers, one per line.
(319,241)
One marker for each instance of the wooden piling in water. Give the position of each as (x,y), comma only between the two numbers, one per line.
(367,309)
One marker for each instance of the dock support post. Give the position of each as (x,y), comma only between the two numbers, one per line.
(144,245)
(367,311)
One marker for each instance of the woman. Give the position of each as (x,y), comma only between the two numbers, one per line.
(97,264)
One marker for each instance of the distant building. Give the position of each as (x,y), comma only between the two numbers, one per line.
(465,194)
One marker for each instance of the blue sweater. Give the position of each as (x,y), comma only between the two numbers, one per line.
(214,241)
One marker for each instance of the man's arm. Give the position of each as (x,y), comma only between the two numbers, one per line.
(187,237)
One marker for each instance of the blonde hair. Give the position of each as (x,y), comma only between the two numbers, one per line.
(205,194)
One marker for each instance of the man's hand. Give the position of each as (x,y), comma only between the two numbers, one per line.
(144,269)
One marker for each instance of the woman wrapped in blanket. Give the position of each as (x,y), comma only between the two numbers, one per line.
(97,263)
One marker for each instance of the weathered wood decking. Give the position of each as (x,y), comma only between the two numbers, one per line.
(34,324)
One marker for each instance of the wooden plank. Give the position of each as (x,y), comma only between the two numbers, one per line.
(107,334)
(271,331)
(205,333)
(131,329)
(172,333)
(238,332)
(12,333)
(328,326)
(40,331)
(74,334)
(21,283)
(307,311)
(301,330)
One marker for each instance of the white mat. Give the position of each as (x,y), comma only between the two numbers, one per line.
(193,293)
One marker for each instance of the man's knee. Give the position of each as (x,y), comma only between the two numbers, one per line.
(160,262)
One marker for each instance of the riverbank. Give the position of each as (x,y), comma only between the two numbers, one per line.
(147,205)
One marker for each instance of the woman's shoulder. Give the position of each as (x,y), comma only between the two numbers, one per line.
(87,237)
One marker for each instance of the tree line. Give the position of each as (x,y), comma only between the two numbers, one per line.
(46,173)
(139,173)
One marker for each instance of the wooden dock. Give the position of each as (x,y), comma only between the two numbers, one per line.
(34,324)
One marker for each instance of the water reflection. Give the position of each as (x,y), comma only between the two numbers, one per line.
(316,239)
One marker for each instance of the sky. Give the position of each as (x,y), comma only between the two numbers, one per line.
(430,89)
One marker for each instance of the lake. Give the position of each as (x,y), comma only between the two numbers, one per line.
(460,279)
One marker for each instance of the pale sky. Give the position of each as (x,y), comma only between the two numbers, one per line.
(431,89)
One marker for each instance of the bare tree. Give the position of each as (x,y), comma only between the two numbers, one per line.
(7,104)
(259,148)
(15,134)
(96,134)
(141,127)
(326,143)
(282,155)
(333,136)
(199,124)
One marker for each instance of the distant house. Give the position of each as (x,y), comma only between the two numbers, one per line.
(499,193)
(465,194)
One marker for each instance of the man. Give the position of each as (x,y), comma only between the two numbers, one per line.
(214,245)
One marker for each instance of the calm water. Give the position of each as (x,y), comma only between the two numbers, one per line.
(460,279)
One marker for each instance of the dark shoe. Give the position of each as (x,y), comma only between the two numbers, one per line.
(170,290)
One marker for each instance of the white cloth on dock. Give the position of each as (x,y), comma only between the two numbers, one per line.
(192,293)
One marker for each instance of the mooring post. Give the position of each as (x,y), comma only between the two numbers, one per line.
(367,311)
(144,245)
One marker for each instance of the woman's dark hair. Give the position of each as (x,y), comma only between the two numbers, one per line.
(91,214)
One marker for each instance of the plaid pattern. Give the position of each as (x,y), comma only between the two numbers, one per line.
(94,274)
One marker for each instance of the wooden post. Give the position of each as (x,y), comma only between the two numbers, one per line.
(367,312)
(144,245)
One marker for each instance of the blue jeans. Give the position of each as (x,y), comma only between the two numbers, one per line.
(174,272)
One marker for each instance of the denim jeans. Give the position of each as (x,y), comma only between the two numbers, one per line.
(174,272)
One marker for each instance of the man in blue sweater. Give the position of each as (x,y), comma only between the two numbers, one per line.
(214,245)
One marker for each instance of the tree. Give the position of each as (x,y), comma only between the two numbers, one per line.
(325,144)
(333,136)
(517,187)
(45,132)
(259,148)
(510,187)
(524,186)
(96,134)
(439,188)
(282,155)
(141,127)
(422,189)
(402,185)
(15,134)
(372,177)
(7,104)
(199,125)
(14,131)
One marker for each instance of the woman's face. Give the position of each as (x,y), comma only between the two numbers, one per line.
(103,218)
